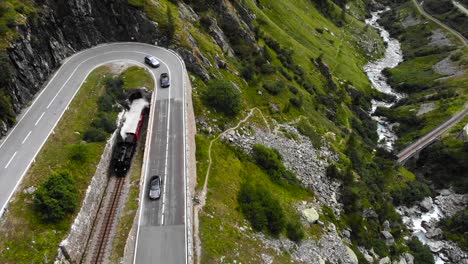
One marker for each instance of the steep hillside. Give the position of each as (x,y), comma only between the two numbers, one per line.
(287,158)
(434,74)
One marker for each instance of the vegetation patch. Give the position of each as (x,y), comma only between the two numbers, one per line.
(36,222)
(136,77)
(223,96)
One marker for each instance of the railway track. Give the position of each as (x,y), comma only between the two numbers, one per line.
(109,219)
(431,136)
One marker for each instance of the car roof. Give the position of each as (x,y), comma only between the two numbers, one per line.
(151,58)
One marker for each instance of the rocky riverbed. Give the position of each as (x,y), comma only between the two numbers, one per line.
(393,56)
(423,220)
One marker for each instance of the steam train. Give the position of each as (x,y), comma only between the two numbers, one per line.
(128,136)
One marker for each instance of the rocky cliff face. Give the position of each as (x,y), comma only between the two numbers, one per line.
(63,28)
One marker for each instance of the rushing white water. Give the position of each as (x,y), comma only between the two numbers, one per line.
(393,56)
(415,224)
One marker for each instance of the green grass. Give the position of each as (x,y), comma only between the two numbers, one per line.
(294,24)
(137,77)
(417,70)
(449,94)
(221,218)
(23,237)
(13,13)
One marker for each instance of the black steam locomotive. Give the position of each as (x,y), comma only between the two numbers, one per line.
(127,138)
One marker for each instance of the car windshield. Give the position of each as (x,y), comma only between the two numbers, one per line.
(155,184)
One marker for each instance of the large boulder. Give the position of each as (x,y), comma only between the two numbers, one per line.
(352,255)
(310,215)
(426,204)
(389,240)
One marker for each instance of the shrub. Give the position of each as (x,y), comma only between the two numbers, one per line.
(94,135)
(293,89)
(422,254)
(248,72)
(6,109)
(261,209)
(267,69)
(294,231)
(270,160)
(105,103)
(415,191)
(296,102)
(114,87)
(79,153)
(170,25)
(456,55)
(274,88)
(105,122)
(56,197)
(223,96)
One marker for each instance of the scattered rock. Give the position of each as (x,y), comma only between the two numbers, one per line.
(267,259)
(435,246)
(410,21)
(389,240)
(218,35)
(450,203)
(386,226)
(385,260)
(409,258)
(435,233)
(187,13)
(426,204)
(446,67)
(352,255)
(346,234)
(425,108)
(221,63)
(310,215)
(30,190)
(438,38)
(369,258)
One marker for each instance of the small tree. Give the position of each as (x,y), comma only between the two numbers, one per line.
(94,135)
(56,197)
(79,153)
(294,231)
(223,96)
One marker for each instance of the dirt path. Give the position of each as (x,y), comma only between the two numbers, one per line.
(202,194)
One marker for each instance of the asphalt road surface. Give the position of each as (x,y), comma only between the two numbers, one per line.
(162,232)
(435,20)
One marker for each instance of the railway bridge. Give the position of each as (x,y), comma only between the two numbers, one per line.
(414,148)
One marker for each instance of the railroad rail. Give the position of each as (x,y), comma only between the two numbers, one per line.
(109,219)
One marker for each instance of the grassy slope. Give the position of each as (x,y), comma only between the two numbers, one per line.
(22,225)
(281,20)
(222,220)
(13,13)
(418,70)
(137,77)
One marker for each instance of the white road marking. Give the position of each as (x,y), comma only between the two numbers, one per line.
(37,122)
(3,206)
(25,138)
(167,152)
(11,159)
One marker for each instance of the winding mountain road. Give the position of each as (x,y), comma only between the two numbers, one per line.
(162,229)
(438,22)
(460,7)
